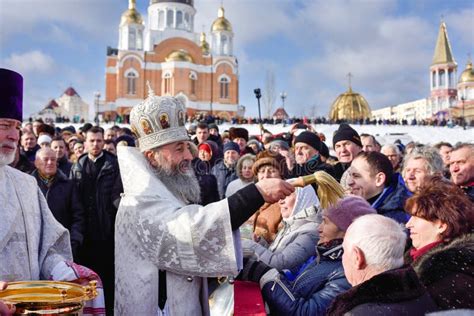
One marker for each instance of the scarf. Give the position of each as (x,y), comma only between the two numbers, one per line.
(416,253)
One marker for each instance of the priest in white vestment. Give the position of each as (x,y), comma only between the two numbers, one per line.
(165,243)
(33,245)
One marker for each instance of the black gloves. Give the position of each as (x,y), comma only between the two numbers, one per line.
(253,270)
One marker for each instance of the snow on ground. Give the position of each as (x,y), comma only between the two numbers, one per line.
(384,133)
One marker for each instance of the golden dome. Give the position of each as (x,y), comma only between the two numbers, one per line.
(131,16)
(179,55)
(204,44)
(468,74)
(350,106)
(221,23)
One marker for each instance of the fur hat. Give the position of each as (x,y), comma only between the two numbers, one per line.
(11,95)
(46,129)
(269,158)
(346,210)
(238,132)
(310,139)
(346,132)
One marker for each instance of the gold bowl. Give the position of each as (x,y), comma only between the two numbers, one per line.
(48,297)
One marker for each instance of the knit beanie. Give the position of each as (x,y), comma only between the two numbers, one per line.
(231,146)
(213,125)
(205,147)
(310,139)
(44,139)
(281,143)
(346,132)
(346,210)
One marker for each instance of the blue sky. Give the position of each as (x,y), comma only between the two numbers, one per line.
(308,46)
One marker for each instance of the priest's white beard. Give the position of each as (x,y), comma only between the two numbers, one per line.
(183,184)
(6,159)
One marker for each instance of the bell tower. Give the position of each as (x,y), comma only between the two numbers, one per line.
(443,73)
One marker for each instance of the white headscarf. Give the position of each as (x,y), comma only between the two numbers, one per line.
(305,197)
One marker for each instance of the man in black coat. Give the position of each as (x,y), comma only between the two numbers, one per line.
(96,174)
(61,195)
(347,144)
(382,285)
(307,156)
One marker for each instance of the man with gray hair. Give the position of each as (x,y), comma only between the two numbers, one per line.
(420,163)
(373,265)
(165,243)
(393,154)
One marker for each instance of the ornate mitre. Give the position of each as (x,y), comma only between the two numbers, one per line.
(158,121)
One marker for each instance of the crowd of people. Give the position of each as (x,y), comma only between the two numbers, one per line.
(449,122)
(155,212)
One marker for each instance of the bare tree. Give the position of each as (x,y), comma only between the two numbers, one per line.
(268,95)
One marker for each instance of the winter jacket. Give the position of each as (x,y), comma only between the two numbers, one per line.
(294,243)
(207,181)
(339,170)
(30,154)
(391,201)
(224,176)
(469,190)
(447,271)
(63,201)
(394,292)
(23,164)
(313,289)
(65,165)
(101,220)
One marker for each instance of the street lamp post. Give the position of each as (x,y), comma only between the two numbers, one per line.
(97,98)
(258,95)
(283,96)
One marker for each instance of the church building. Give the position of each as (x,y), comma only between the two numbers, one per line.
(166,52)
(450,98)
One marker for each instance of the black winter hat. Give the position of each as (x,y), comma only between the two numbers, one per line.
(345,132)
(309,138)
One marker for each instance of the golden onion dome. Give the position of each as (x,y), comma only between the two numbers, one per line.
(179,55)
(204,44)
(131,16)
(468,74)
(350,106)
(221,23)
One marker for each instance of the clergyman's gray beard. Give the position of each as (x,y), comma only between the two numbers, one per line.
(183,185)
(6,159)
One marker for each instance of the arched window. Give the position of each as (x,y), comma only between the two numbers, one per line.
(132,39)
(186,21)
(433,78)
(224,45)
(169,18)
(442,78)
(161,19)
(131,83)
(179,20)
(192,82)
(224,87)
(167,87)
